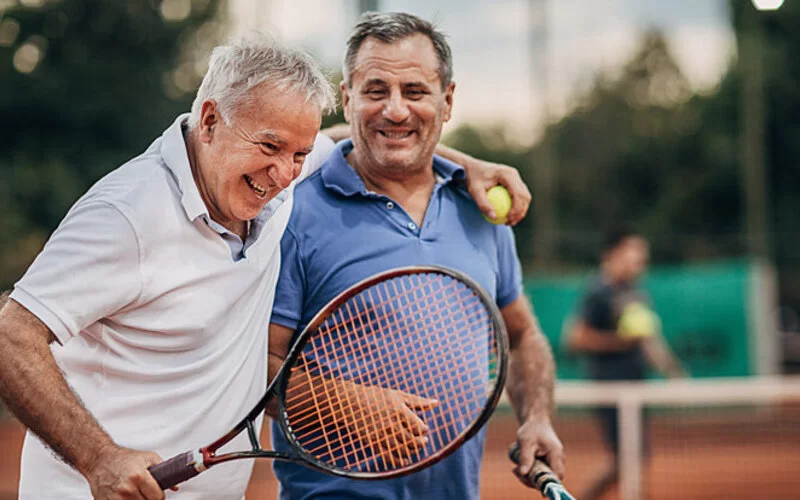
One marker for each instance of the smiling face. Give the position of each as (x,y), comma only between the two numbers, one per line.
(395,105)
(241,166)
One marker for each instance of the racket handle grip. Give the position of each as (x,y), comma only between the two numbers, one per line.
(177,469)
(540,474)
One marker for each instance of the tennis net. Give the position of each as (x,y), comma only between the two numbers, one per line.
(700,439)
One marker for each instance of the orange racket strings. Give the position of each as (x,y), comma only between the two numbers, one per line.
(448,329)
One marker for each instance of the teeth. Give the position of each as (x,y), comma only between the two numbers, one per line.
(258,188)
(396,135)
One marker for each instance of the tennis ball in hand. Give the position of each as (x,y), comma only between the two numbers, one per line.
(638,321)
(501,201)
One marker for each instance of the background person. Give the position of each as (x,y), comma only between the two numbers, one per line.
(618,335)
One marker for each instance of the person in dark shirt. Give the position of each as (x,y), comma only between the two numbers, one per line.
(618,334)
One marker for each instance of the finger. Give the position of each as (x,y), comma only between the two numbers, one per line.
(393,449)
(559,464)
(479,195)
(128,491)
(524,479)
(520,197)
(519,192)
(556,458)
(419,403)
(148,487)
(404,444)
(146,483)
(413,423)
(527,455)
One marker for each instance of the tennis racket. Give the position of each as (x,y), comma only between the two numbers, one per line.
(542,477)
(391,376)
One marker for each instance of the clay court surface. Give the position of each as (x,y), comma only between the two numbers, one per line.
(738,455)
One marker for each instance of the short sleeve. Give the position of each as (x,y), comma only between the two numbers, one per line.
(509,284)
(323,146)
(88,270)
(595,309)
(290,292)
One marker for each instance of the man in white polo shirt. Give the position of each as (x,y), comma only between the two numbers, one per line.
(142,325)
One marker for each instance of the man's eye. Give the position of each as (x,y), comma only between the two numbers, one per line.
(375,92)
(300,158)
(268,146)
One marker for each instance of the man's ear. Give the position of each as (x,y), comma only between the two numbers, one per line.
(345,100)
(209,118)
(448,101)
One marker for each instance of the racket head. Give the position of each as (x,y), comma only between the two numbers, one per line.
(428,331)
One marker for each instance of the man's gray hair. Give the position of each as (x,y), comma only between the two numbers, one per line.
(246,62)
(393,26)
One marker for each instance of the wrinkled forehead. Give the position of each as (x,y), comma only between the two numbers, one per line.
(412,57)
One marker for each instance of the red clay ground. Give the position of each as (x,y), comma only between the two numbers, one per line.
(750,456)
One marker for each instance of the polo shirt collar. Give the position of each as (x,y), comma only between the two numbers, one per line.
(339,176)
(173,150)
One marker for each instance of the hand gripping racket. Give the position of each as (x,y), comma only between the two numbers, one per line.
(391,376)
(542,477)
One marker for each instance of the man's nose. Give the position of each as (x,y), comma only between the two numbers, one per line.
(396,108)
(283,172)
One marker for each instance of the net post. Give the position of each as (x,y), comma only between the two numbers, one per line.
(630,447)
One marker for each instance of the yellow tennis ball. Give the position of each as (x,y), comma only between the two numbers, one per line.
(638,321)
(501,201)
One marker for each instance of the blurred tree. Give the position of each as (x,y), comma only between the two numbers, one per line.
(83,85)
(639,147)
(643,149)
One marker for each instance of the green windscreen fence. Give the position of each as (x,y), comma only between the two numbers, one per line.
(708,314)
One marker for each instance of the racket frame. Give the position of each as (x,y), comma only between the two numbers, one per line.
(207,456)
(501,363)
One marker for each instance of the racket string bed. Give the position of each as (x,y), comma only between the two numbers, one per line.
(395,328)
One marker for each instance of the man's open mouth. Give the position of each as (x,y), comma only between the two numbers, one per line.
(257,188)
(389,134)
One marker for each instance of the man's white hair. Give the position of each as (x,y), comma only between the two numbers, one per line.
(247,62)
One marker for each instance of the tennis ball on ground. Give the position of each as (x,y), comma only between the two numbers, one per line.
(501,201)
(638,321)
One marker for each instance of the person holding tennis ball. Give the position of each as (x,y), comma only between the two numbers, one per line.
(384,199)
(618,333)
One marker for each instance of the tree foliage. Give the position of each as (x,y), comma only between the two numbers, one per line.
(83,85)
(644,148)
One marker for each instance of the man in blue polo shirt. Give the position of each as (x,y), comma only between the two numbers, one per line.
(384,200)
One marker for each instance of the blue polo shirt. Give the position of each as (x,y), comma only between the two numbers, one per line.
(340,233)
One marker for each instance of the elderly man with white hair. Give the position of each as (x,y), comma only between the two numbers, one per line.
(140,330)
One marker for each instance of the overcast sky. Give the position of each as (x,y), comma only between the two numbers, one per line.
(492,50)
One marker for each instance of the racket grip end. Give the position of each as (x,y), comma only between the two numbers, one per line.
(177,469)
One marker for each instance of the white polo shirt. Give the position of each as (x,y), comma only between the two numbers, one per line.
(161,316)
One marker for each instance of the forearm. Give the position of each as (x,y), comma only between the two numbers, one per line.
(590,340)
(337,132)
(274,363)
(530,378)
(661,358)
(33,388)
(453,155)
(4,298)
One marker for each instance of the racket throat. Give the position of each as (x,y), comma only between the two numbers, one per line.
(199,459)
